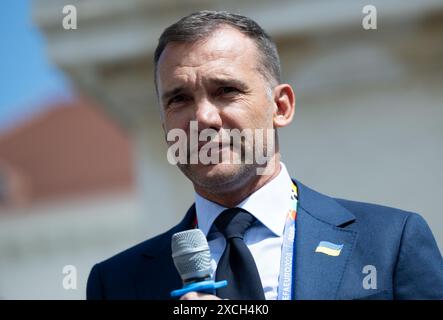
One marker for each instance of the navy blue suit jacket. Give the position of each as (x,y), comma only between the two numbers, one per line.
(396,244)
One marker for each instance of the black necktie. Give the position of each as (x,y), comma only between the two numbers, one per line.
(237,264)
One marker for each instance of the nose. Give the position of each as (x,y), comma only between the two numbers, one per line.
(208,115)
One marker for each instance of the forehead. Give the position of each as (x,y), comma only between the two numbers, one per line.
(225,51)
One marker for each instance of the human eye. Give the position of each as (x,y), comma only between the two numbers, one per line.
(177,100)
(227,90)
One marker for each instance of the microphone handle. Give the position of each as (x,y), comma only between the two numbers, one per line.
(208,286)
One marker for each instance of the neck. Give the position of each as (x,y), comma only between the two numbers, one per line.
(231,198)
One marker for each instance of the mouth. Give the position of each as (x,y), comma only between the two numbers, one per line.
(214,145)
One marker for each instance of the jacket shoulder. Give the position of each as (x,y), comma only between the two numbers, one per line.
(376,213)
(155,244)
(400,243)
(114,278)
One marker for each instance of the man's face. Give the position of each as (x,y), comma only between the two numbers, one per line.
(215,82)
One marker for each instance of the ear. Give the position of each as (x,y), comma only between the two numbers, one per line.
(284,101)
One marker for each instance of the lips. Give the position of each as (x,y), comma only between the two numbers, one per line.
(213,145)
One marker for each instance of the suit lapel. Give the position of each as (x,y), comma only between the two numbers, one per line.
(156,275)
(320,218)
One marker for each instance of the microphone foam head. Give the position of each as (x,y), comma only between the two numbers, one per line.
(190,252)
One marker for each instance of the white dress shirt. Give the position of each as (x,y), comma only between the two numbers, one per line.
(270,205)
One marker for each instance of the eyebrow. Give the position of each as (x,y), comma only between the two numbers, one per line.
(217,81)
(230,82)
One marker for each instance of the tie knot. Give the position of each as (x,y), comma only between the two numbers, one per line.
(234,222)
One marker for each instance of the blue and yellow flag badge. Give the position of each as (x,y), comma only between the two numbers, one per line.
(329,248)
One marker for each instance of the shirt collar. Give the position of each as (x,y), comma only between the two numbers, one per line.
(269,205)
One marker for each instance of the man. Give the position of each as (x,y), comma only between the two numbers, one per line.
(270,236)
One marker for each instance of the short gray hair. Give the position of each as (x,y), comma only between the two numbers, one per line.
(199,25)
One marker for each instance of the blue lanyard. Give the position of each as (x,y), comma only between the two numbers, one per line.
(287,253)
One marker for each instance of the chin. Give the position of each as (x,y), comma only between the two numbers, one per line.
(216,176)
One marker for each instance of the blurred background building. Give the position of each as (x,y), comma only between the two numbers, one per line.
(84,175)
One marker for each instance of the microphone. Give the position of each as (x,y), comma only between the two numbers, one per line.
(190,252)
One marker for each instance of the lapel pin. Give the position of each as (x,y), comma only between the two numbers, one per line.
(329,248)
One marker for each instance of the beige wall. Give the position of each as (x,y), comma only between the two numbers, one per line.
(37,242)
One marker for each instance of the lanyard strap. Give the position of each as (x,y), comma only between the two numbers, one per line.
(285,290)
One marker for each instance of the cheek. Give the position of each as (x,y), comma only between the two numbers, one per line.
(259,115)
(262,109)
(175,120)
(242,110)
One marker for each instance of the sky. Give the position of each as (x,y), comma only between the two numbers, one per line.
(27,79)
